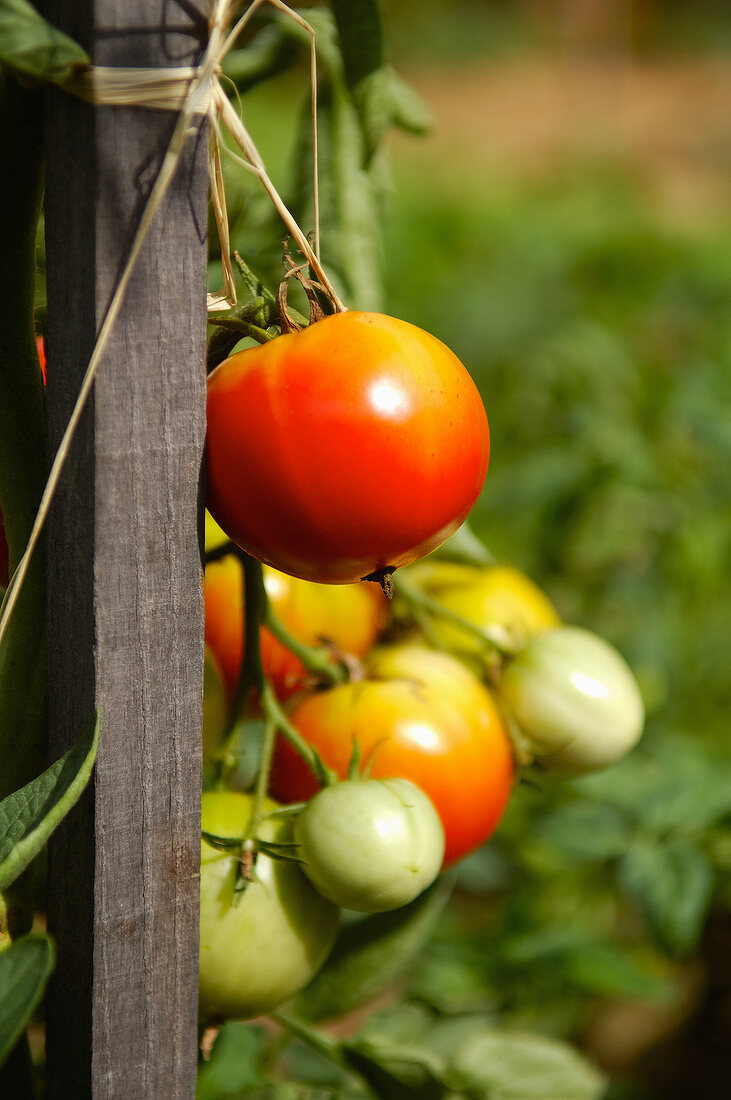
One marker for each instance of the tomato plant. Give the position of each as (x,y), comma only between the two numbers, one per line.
(348,616)
(356,445)
(421,716)
(260,949)
(575,700)
(487,596)
(370,845)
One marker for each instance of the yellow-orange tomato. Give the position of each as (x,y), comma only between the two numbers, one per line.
(357,445)
(488,596)
(350,616)
(424,717)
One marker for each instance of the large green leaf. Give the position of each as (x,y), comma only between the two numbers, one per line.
(31,46)
(371,954)
(29,816)
(586,832)
(501,1066)
(672,885)
(398,1072)
(24,969)
(235,1062)
(360,29)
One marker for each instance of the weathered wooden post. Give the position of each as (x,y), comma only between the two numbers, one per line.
(126,613)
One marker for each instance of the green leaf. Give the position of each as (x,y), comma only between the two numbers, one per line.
(526,1067)
(360,29)
(586,832)
(396,1071)
(371,954)
(269,53)
(408,110)
(610,972)
(245,744)
(384,99)
(29,816)
(31,46)
(24,970)
(672,884)
(236,1062)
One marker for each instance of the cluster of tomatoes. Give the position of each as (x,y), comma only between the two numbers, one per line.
(468,673)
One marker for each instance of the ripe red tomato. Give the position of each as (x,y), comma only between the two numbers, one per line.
(358,444)
(426,718)
(350,616)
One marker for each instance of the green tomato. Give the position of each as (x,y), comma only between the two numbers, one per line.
(371,844)
(575,700)
(259,951)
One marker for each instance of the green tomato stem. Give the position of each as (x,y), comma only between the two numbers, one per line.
(273,708)
(306,1034)
(251,678)
(240,327)
(316,659)
(262,779)
(419,601)
(218,553)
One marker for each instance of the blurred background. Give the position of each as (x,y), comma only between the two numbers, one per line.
(563,223)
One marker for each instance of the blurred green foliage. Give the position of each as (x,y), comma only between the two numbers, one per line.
(600,337)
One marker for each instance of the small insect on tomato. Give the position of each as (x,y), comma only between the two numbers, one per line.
(352,447)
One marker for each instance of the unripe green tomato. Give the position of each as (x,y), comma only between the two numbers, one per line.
(370,844)
(575,700)
(259,952)
(493,597)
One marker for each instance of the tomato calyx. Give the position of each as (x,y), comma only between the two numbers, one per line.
(246,849)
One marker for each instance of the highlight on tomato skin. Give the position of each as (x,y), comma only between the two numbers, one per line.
(423,716)
(357,445)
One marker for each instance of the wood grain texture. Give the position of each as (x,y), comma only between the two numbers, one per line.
(126,609)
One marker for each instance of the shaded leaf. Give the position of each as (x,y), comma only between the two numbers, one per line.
(235,1063)
(672,884)
(370,954)
(396,1071)
(360,30)
(610,972)
(29,816)
(384,99)
(245,745)
(31,46)
(269,53)
(526,1067)
(24,970)
(586,832)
